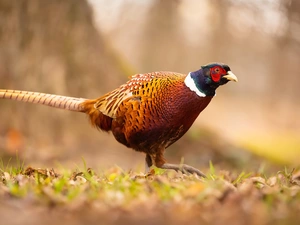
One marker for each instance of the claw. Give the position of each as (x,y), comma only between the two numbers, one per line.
(186,169)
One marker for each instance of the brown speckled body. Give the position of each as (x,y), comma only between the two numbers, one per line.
(148,113)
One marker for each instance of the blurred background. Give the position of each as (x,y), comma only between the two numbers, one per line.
(87,48)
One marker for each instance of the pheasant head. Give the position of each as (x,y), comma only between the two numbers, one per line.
(206,80)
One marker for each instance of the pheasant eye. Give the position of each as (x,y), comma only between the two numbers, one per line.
(217,70)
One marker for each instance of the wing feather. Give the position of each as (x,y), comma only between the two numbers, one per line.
(145,83)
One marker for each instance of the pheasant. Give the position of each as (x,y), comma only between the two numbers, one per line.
(149,112)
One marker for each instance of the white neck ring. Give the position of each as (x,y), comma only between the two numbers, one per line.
(190,83)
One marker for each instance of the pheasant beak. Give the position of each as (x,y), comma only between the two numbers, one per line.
(231,76)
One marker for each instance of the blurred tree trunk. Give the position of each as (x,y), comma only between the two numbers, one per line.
(287,49)
(160,37)
(52,46)
(283,91)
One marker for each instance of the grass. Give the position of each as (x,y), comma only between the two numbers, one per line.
(115,196)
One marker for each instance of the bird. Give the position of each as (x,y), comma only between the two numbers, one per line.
(149,112)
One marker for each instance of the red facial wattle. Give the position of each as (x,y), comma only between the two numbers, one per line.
(216,73)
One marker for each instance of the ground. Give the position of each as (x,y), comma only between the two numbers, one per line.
(83,196)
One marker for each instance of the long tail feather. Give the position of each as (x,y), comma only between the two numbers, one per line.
(57,101)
